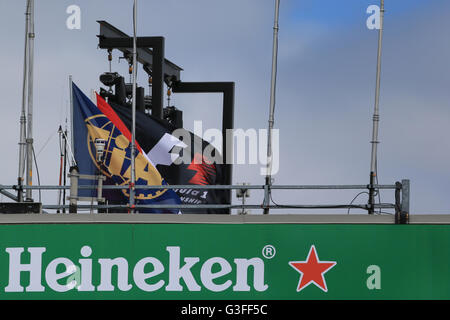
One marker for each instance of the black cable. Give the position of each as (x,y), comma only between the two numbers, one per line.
(349,206)
(348,212)
(344,206)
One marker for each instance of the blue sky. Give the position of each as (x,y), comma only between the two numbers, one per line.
(346,12)
(325,92)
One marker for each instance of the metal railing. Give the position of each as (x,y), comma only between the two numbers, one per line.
(401,204)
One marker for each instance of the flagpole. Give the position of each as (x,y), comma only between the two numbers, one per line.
(29,140)
(272,105)
(376,116)
(133,115)
(23,118)
(72,138)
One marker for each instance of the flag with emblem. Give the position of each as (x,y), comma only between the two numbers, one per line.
(100,122)
(202,163)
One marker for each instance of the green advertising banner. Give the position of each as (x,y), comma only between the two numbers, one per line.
(224,261)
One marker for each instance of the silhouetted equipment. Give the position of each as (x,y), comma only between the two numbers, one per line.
(113,79)
(109,78)
(174,116)
(20,207)
(122,91)
(160,71)
(153,61)
(140,101)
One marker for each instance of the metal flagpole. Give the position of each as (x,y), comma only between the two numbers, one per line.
(272,106)
(72,138)
(23,118)
(376,116)
(61,158)
(133,106)
(29,140)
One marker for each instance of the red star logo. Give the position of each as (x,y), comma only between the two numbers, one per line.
(312,270)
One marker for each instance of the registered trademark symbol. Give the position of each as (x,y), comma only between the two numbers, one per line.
(269,251)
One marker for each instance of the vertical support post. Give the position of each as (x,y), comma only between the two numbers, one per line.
(243,193)
(23,118)
(371,201)
(133,116)
(64,171)
(266,201)
(405,200)
(100,200)
(376,115)
(228,126)
(398,203)
(29,140)
(272,103)
(73,189)
(72,141)
(99,187)
(402,205)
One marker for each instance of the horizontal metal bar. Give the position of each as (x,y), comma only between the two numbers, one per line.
(221,206)
(202,87)
(86,198)
(313,187)
(88,176)
(206,187)
(144,55)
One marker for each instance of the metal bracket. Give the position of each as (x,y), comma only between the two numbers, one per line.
(402,207)
(153,61)
(227,88)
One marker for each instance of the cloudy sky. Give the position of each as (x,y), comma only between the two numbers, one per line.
(325,85)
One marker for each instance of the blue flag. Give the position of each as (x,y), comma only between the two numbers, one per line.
(100,123)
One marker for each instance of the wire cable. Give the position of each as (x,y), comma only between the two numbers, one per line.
(390,213)
(45,144)
(351,202)
(37,172)
(344,206)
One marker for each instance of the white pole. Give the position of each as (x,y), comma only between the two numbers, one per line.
(272,102)
(133,115)
(376,114)
(29,196)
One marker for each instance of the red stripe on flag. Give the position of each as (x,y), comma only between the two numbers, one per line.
(106,109)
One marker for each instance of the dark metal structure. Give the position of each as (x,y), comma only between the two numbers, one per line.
(157,43)
(150,53)
(227,88)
